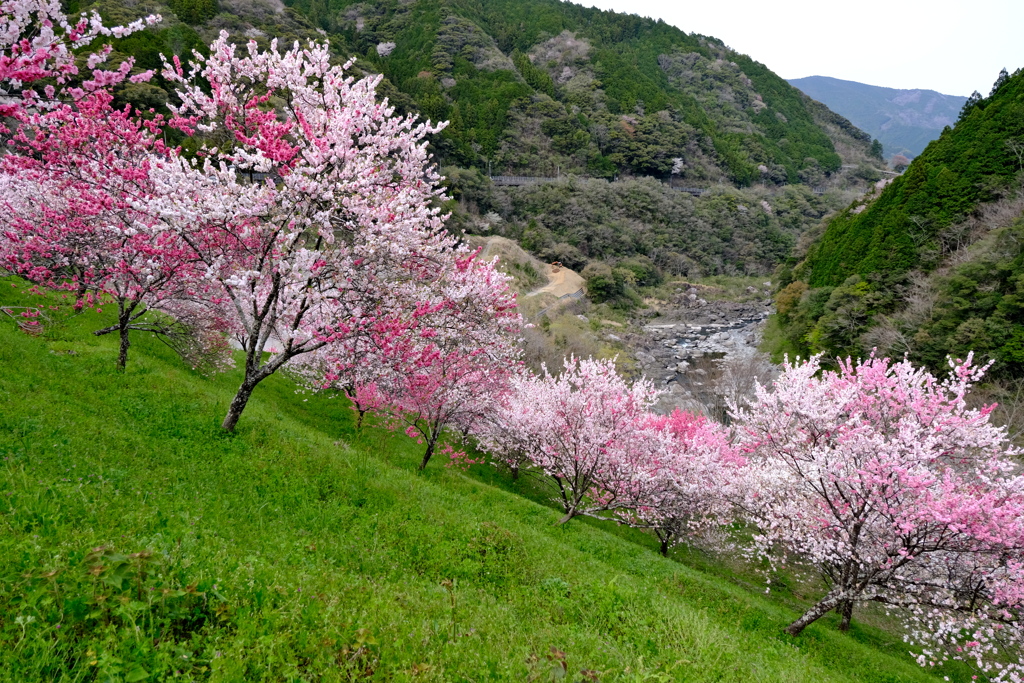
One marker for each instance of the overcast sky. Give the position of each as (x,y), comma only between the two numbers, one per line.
(950,46)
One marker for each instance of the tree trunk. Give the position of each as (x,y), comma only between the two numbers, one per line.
(122,354)
(238,404)
(846,610)
(569,515)
(824,606)
(665,537)
(430,451)
(123,328)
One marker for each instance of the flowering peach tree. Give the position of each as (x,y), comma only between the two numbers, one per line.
(698,475)
(444,364)
(314,209)
(879,476)
(586,430)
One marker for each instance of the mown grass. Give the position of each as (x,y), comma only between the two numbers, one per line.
(139,542)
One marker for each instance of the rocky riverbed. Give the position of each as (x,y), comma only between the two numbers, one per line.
(687,348)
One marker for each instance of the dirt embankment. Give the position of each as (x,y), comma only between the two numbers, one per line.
(548,281)
(560,282)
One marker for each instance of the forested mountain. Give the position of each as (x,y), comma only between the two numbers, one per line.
(545,88)
(934,263)
(538,87)
(646,226)
(904,121)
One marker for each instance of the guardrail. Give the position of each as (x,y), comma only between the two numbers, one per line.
(521,179)
(577,295)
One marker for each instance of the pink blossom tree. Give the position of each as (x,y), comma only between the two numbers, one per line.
(454,371)
(77,218)
(698,477)
(343,235)
(38,41)
(445,368)
(586,430)
(77,181)
(879,476)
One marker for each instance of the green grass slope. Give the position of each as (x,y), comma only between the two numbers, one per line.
(140,543)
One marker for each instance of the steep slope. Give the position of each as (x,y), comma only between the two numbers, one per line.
(139,542)
(535,87)
(540,85)
(904,121)
(932,257)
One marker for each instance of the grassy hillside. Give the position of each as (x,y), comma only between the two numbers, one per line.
(139,542)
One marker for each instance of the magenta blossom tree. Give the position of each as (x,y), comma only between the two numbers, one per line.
(445,366)
(77,182)
(881,478)
(38,42)
(76,217)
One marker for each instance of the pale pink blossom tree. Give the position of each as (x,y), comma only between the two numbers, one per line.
(344,232)
(879,476)
(586,430)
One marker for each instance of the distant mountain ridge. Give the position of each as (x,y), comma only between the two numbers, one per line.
(904,121)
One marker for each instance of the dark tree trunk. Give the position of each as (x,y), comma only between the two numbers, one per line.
(665,536)
(123,328)
(823,607)
(254,374)
(515,472)
(570,509)
(238,404)
(846,610)
(430,451)
(122,354)
(80,293)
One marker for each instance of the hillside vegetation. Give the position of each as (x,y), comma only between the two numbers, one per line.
(931,264)
(540,86)
(640,221)
(544,88)
(141,542)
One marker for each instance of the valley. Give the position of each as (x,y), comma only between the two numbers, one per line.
(443,340)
